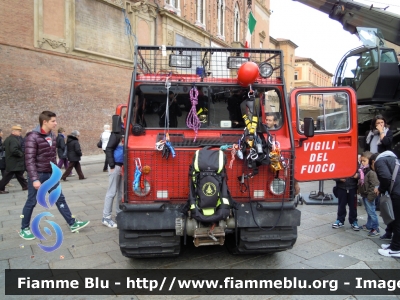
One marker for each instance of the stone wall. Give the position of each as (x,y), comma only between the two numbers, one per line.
(83,94)
(83,91)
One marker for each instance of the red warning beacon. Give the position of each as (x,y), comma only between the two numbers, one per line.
(247,73)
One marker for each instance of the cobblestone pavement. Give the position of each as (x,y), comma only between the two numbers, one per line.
(318,245)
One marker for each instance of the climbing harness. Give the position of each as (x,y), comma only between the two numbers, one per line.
(251,117)
(193,120)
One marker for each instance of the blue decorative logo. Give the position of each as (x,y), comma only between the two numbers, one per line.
(36,232)
(41,199)
(47,185)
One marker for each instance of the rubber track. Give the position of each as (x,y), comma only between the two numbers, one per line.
(257,241)
(145,244)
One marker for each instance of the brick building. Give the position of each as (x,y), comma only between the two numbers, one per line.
(288,48)
(74,57)
(307,73)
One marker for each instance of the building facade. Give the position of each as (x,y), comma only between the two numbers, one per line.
(307,73)
(288,48)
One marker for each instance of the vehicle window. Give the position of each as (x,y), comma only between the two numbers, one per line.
(356,68)
(366,64)
(272,109)
(217,106)
(330,111)
(388,56)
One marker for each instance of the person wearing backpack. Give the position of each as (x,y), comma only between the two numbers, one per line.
(115,158)
(367,181)
(74,154)
(384,165)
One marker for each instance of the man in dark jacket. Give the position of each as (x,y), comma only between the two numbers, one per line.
(74,154)
(384,165)
(61,149)
(40,152)
(14,160)
(347,195)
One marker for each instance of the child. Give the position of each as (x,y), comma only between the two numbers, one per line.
(347,195)
(367,182)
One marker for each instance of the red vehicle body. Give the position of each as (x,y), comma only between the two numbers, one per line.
(153,223)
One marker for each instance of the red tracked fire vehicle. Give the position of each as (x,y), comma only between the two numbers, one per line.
(153,222)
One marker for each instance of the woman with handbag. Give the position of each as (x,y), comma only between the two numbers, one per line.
(384,165)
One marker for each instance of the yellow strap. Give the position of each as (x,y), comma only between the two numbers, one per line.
(192,206)
(253,126)
(196,161)
(208,211)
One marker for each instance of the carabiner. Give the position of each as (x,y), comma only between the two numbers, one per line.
(242,184)
(253,155)
(167,83)
(160,145)
(251,92)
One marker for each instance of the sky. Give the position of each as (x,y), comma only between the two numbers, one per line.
(317,36)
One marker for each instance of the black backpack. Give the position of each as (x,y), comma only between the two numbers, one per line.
(209,197)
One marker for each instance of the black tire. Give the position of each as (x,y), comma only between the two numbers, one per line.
(257,241)
(147,244)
